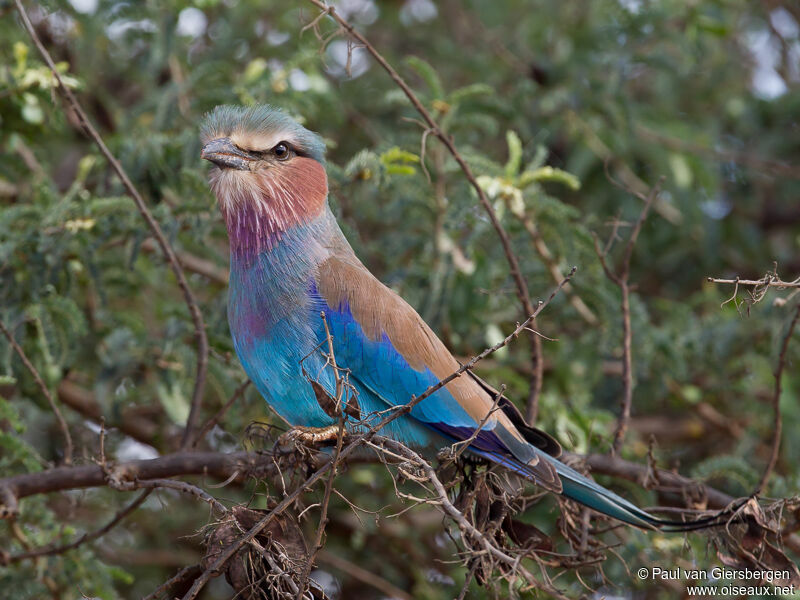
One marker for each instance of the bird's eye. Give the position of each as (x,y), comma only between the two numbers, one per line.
(281,151)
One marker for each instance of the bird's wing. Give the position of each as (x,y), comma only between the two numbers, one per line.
(390,350)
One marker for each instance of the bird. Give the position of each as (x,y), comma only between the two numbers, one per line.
(291,265)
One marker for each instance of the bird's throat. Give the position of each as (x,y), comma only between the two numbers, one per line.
(260,207)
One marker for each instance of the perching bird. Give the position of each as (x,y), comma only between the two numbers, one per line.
(290,262)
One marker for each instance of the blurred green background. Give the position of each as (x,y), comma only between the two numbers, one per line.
(702,93)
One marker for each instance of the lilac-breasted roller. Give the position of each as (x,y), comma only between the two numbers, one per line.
(289,261)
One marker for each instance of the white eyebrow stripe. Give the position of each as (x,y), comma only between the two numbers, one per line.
(260,142)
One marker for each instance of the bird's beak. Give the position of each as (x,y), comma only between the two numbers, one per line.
(224,153)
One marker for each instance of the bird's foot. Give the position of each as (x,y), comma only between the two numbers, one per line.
(310,435)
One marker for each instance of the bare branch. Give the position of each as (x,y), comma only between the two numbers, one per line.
(776,403)
(155,228)
(341,390)
(620,278)
(181,463)
(760,287)
(172,484)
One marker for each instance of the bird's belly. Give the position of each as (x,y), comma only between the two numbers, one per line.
(273,360)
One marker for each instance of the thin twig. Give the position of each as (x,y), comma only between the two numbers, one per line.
(433,127)
(760,286)
(62,424)
(620,277)
(155,228)
(326,498)
(467,528)
(555,271)
(172,484)
(89,536)
(776,403)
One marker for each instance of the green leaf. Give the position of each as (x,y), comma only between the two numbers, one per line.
(548,173)
(400,170)
(396,154)
(514,154)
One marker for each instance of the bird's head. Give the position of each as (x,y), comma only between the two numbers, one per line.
(268,173)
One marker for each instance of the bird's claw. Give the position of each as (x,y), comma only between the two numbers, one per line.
(309,435)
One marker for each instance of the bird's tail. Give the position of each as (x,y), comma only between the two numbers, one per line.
(585,491)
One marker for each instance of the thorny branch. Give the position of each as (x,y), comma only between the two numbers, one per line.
(432,128)
(248,464)
(155,228)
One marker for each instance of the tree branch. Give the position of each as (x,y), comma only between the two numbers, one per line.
(180,463)
(764,281)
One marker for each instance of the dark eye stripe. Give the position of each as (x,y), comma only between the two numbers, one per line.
(291,147)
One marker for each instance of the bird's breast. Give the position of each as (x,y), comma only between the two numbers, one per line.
(272,287)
